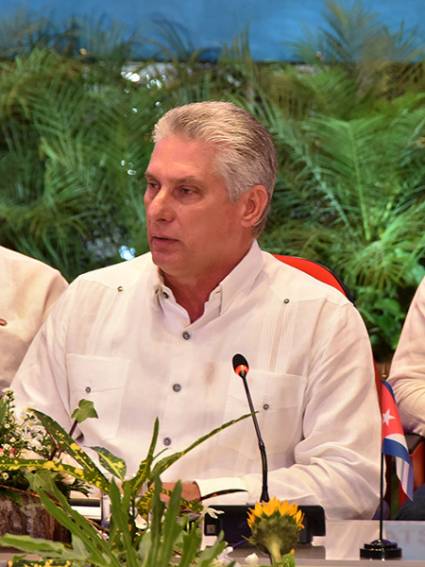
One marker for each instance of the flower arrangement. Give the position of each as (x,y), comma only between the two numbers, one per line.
(28,439)
(275,526)
(142,530)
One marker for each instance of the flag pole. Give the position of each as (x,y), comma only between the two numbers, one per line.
(381,548)
(381,499)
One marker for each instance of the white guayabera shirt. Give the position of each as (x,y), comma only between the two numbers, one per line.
(119,338)
(28,290)
(407,374)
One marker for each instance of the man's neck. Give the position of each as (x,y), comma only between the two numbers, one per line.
(193,299)
(192,293)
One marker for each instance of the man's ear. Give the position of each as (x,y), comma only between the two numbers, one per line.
(255,202)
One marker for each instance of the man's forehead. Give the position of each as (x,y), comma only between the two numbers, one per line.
(184,147)
(181,158)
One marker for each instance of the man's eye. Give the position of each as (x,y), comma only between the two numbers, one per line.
(151,185)
(186,191)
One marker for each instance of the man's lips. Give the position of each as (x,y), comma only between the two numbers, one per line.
(155,238)
(162,242)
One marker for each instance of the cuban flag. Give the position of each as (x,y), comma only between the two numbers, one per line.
(393,440)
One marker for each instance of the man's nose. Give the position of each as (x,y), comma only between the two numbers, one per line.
(160,207)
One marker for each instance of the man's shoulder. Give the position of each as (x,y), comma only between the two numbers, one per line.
(124,274)
(21,262)
(21,271)
(290,282)
(421,290)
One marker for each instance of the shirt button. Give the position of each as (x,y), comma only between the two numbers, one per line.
(286,300)
(3,322)
(177,387)
(167,441)
(186,335)
(88,390)
(266,406)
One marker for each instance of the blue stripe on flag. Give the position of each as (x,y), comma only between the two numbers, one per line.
(395,449)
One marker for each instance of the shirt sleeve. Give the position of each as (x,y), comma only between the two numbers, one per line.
(41,381)
(407,375)
(56,286)
(337,461)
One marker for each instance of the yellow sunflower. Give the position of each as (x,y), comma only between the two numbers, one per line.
(275,506)
(274,528)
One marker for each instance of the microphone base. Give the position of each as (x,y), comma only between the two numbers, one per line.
(380,549)
(232,521)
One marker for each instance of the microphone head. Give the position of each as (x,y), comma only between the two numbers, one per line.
(240,365)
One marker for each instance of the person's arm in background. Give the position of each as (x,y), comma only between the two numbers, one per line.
(41,381)
(407,374)
(55,286)
(29,290)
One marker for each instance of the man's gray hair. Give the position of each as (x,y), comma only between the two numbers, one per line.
(246,155)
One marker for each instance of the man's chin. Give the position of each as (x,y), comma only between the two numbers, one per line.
(166,262)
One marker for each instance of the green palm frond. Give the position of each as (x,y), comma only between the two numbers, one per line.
(351,195)
(381,61)
(80,151)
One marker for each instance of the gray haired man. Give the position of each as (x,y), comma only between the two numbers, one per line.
(155,336)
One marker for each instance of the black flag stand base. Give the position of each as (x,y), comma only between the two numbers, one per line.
(380,549)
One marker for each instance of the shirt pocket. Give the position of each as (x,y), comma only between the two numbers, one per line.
(278,400)
(101,380)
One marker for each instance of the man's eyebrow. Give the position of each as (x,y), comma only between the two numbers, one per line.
(184,179)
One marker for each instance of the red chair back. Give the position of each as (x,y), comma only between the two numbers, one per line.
(318,271)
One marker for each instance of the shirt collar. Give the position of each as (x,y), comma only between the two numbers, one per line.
(240,279)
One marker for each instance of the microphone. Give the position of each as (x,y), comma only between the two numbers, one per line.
(241,368)
(232,521)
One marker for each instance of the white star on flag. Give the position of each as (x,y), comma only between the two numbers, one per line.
(387,417)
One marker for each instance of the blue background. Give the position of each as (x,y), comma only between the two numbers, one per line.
(273,24)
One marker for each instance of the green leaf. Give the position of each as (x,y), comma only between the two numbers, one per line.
(84,411)
(111,463)
(170,528)
(30,465)
(158,508)
(3,409)
(39,546)
(98,550)
(133,486)
(210,553)
(119,518)
(91,474)
(191,543)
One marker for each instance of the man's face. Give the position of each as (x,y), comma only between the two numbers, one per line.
(194,230)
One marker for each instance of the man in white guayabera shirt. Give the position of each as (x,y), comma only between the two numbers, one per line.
(407,374)
(155,336)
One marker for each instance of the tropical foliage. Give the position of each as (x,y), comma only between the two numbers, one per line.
(139,529)
(27,440)
(348,121)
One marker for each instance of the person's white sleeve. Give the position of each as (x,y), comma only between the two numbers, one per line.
(41,381)
(57,285)
(407,374)
(338,460)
